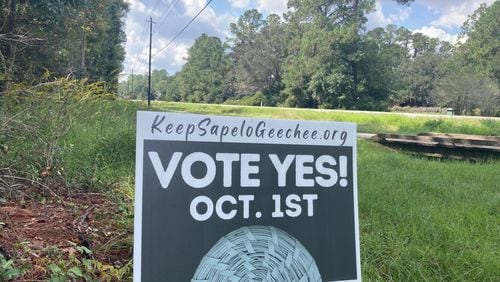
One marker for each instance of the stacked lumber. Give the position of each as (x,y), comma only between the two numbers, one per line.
(458,141)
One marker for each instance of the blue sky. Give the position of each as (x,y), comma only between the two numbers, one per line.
(435,18)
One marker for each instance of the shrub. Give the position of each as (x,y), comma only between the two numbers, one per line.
(36,121)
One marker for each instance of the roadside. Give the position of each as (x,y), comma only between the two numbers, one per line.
(77,236)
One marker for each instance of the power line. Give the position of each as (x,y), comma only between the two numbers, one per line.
(183,29)
(143,64)
(143,36)
(149,72)
(153,7)
(165,13)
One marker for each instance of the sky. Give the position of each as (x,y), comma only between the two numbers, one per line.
(435,18)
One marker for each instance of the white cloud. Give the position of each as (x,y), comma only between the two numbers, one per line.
(137,5)
(443,5)
(454,16)
(402,15)
(453,13)
(219,22)
(377,17)
(173,57)
(450,14)
(215,20)
(180,54)
(241,4)
(438,33)
(172,60)
(272,6)
(194,6)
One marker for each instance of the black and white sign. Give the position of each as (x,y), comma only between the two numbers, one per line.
(232,198)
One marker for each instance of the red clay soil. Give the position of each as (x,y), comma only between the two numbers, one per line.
(29,230)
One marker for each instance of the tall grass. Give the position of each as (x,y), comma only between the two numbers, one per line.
(420,219)
(427,220)
(99,148)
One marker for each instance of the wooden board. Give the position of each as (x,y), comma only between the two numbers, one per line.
(444,145)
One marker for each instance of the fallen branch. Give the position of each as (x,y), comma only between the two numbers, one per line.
(32,182)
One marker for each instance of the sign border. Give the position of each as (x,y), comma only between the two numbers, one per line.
(138,201)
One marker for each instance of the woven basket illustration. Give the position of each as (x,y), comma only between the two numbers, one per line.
(257,253)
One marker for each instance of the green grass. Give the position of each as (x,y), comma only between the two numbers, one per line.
(424,220)
(100,147)
(420,219)
(367,122)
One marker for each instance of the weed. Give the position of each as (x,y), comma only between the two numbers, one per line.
(77,268)
(8,270)
(419,219)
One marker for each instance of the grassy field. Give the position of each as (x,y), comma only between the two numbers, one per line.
(425,220)
(420,219)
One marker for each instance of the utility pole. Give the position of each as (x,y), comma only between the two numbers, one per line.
(150,45)
(132,82)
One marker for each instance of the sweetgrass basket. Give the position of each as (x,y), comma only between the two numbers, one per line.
(257,253)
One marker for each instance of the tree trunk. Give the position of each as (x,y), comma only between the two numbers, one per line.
(10,51)
(84,49)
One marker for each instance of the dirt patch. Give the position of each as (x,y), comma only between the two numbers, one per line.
(34,232)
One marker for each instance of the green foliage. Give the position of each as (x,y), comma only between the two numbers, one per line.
(76,37)
(75,272)
(8,270)
(74,267)
(480,52)
(421,110)
(104,148)
(316,56)
(136,86)
(418,79)
(407,231)
(258,99)
(202,77)
(40,122)
(468,92)
(322,69)
(320,56)
(258,51)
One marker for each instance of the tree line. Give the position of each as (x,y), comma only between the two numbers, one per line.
(56,38)
(320,55)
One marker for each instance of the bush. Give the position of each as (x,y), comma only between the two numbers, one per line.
(418,110)
(8,270)
(45,125)
(258,99)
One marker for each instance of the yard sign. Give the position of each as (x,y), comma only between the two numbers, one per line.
(234,198)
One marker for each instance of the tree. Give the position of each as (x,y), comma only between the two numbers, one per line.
(419,68)
(246,28)
(468,92)
(77,37)
(480,52)
(322,68)
(162,86)
(258,54)
(326,65)
(203,77)
(382,55)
